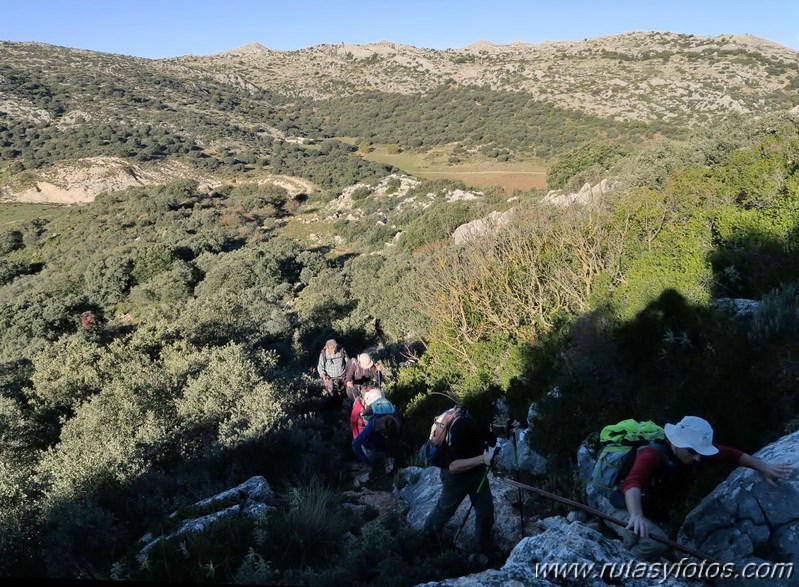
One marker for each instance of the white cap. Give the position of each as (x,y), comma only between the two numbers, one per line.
(365,361)
(692,432)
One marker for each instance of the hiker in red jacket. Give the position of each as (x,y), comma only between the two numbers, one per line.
(660,476)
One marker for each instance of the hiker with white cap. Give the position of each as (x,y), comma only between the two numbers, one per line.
(660,476)
(361,372)
(332,367)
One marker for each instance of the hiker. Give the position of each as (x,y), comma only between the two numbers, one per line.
(357,420)
(332,367)
(659,478)
(464,457)
(372,443)
(361,372)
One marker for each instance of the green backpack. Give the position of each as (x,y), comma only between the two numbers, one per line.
(620,443)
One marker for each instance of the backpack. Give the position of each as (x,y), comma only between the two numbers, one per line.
(431,451)
(379,407)
(620,444)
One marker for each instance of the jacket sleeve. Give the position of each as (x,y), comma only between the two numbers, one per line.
(726,454)
(360,440)
(348,377)
(321,364)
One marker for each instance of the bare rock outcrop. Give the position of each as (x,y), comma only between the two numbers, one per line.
(745,519)
(528,460)
(420,487)
(585,195)
(250,499)
(482,226)
(556,541)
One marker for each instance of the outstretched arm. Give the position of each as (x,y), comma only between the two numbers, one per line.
(637,523)
(461,465)
(771,472)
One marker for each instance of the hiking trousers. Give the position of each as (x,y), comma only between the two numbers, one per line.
(334,386)
(454,488)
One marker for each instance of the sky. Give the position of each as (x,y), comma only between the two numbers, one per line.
(169,28)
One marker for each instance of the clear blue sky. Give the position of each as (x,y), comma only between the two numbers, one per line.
(168,28)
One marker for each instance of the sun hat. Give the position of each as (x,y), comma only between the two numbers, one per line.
(371,395)
(692,432)
(365,361)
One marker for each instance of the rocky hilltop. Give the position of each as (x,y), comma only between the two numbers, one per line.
(641,76)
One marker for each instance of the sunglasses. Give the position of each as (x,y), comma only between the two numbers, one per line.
(691,451)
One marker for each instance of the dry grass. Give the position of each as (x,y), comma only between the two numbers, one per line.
(475,169)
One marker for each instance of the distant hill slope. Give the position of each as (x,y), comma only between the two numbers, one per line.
(641,76)
(254,108)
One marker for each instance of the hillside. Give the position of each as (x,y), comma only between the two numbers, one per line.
(254,108)
(159,342)
(639,76)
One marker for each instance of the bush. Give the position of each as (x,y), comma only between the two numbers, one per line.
(436,223)
(305,530)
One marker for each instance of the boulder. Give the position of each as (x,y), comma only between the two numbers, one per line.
(420,487)
(586,459)
(585,195)
(528,460)
(482,226)
(738,307)
(253,497)
(746,519)
(558,542)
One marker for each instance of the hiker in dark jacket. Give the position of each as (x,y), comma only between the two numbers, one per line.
(660,476)
(372,443)
(332,367)
(361,372)
(465,462)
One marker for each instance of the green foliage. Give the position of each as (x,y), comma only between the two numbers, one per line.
(501,121)
(587,162)
(360,194)
(10,241)
(263,199)
(306,530)
(436,223)
(229,396)
(777,317)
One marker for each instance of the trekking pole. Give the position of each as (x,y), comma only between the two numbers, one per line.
(471,505)
(590,510)
(516,464)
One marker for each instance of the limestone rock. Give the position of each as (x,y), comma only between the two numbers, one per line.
(557,541)
(738,307)
(482,226)
(420,487)
(745,519)
(253,498)
(585,195)
(528,460)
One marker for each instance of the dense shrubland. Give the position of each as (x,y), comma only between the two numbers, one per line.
(606,312)
(152,342)
(154,345)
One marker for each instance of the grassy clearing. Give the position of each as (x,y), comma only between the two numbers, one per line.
(474,168)
(15,212)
